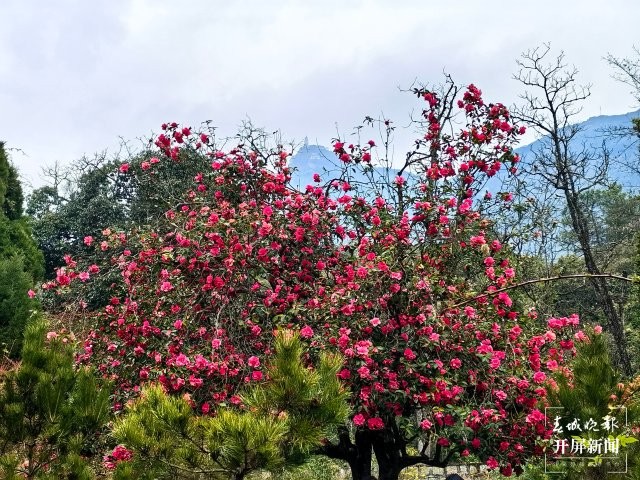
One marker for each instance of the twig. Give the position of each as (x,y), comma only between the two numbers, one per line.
(543,280)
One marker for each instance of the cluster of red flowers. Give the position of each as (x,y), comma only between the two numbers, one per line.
(119,454)
(246,254)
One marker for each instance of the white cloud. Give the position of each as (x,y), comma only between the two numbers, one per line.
(74,75)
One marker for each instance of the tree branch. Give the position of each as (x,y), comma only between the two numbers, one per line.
(542,280)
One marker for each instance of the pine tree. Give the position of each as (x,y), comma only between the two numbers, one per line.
(50,412)
(593,391)
(280,424)
(20,260)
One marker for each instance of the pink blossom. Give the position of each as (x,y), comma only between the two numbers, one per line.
(306,332)
(119,454)
(444,442)
(500,395)
(425,424)
(539,377)
(580,336)
(195,381)
(253,362)
(181,360)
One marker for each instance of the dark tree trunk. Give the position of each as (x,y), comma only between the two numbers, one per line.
(388,458)
(360,462)
(581,228)
(389,447)
(357,455)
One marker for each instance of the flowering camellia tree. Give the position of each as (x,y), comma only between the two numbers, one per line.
(411,289)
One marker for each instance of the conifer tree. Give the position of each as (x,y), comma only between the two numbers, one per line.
(51,413)
(281,422)
(593,390)
(20,260)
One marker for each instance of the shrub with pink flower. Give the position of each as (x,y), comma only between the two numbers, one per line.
(380,282)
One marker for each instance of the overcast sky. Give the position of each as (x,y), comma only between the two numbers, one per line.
(75,75)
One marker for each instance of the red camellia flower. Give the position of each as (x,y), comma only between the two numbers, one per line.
(253,362)
(306,332)
(375,423)
(409,354)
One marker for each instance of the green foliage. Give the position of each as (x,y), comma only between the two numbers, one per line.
(312,399)
(15,232)
(148,197)
(92,194)
(63,214)
(51,413)
(4,173)
(633,306)
(14,198)
(612,216)
(594,390)
(10,189)
(318,468)
(20,260)
(282,421)
(16,239)
(15,305)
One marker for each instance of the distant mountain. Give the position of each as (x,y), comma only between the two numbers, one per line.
(592,133)
(312,159)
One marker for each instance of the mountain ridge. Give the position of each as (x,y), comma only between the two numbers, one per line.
(314,158)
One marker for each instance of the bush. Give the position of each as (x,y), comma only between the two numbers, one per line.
(15,305)
(284,419)
(51,414)
(594,389)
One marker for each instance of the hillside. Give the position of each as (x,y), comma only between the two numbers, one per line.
(593,134)
(595,131)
